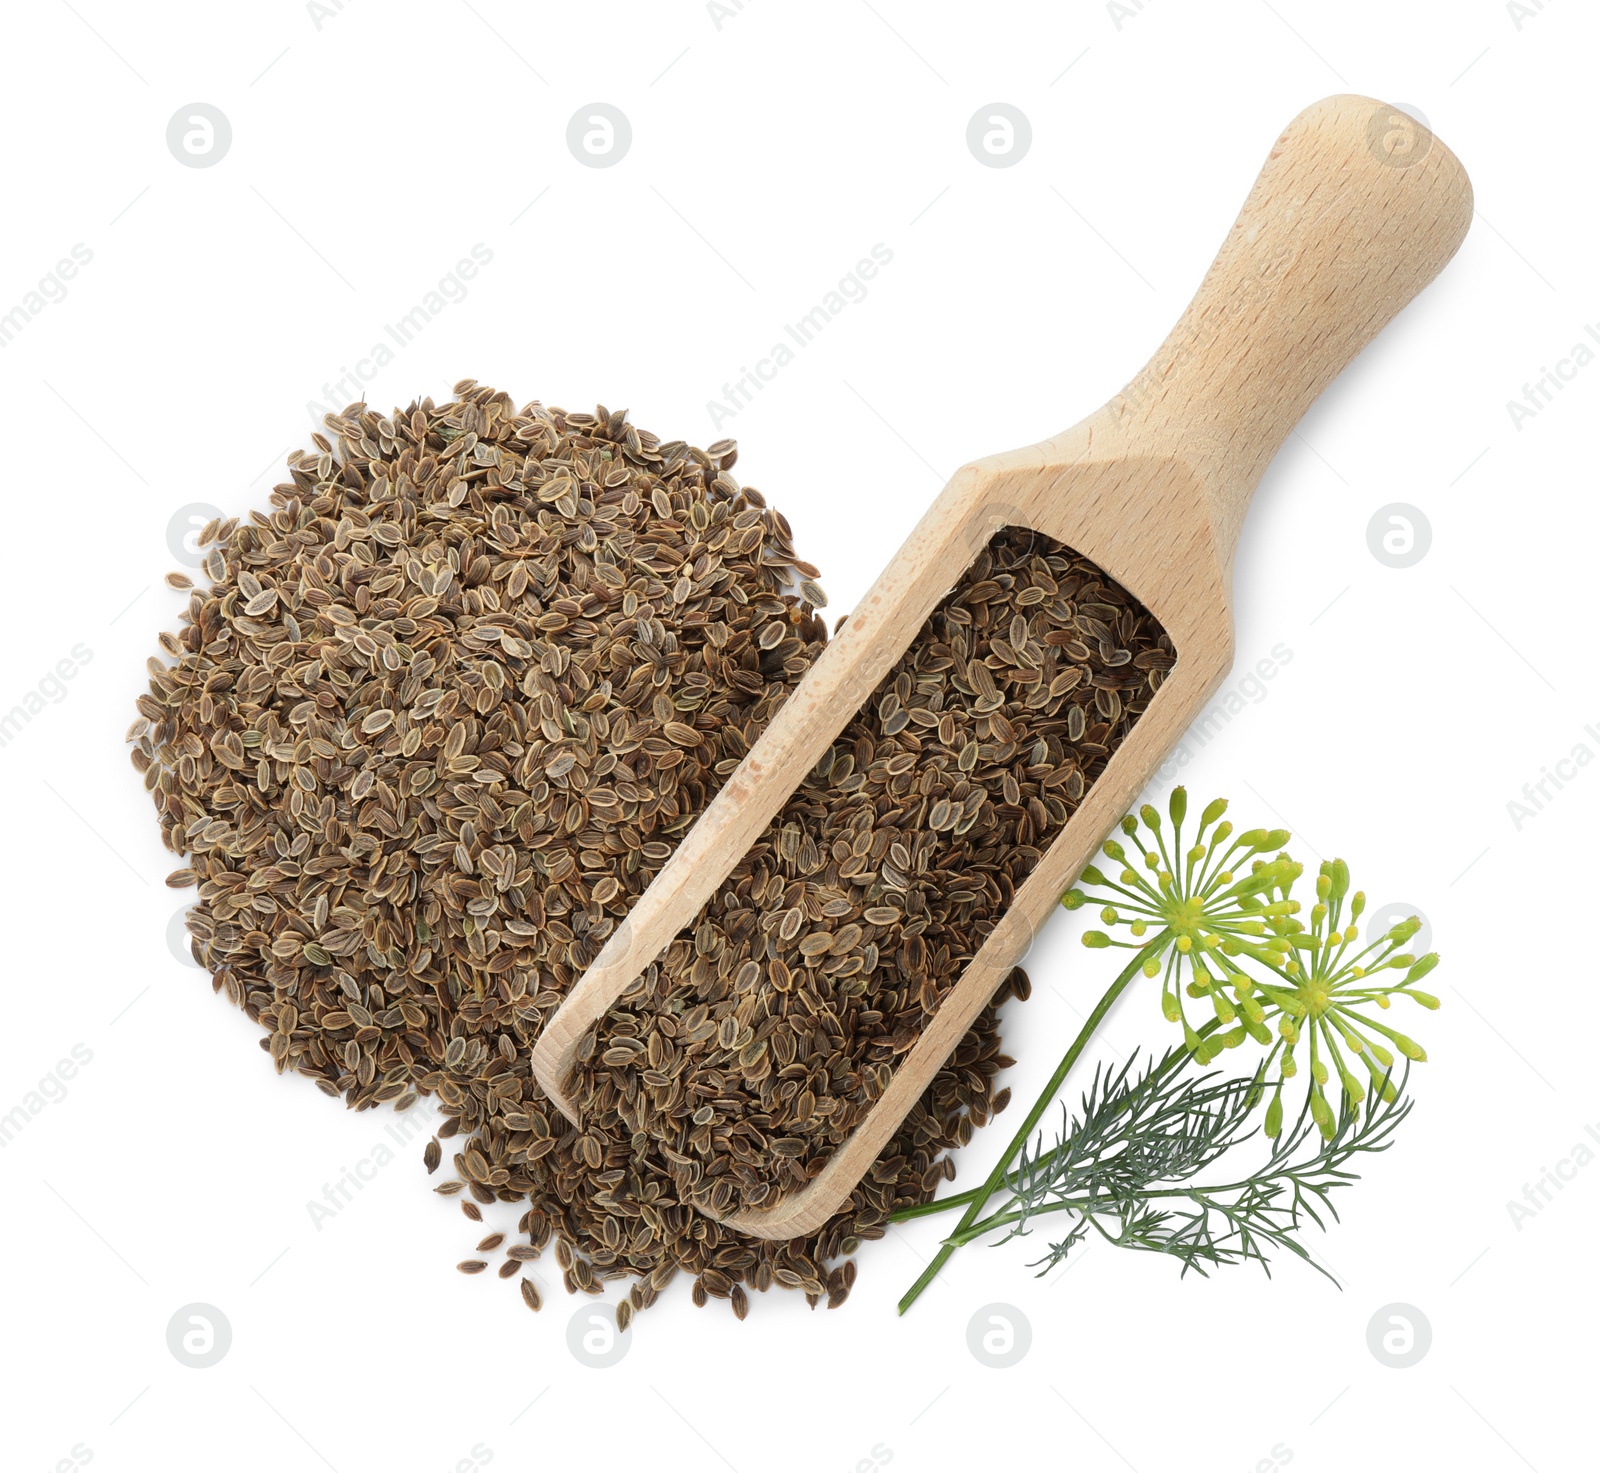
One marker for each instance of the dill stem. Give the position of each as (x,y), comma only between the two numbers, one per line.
(978,1199)
(1084,1205)
(939,1204)
(1087,1205)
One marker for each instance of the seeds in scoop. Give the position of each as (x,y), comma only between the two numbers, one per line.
(780,1017)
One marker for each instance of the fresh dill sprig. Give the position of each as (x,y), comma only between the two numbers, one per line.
(1214,916)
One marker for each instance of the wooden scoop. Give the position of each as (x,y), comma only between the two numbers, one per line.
(1357,209)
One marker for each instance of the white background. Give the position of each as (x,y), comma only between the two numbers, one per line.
(769,154)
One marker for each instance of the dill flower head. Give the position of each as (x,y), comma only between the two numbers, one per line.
(1223,930)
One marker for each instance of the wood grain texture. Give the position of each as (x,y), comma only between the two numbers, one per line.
(1336,237)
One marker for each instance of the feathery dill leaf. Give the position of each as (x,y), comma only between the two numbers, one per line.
(1130,1167)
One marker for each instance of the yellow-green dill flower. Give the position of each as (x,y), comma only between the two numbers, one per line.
(1231,946)
(1327,988)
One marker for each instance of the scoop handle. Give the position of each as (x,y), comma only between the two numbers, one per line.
(1356,210)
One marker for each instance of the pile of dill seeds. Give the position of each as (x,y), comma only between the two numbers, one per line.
(443,712)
